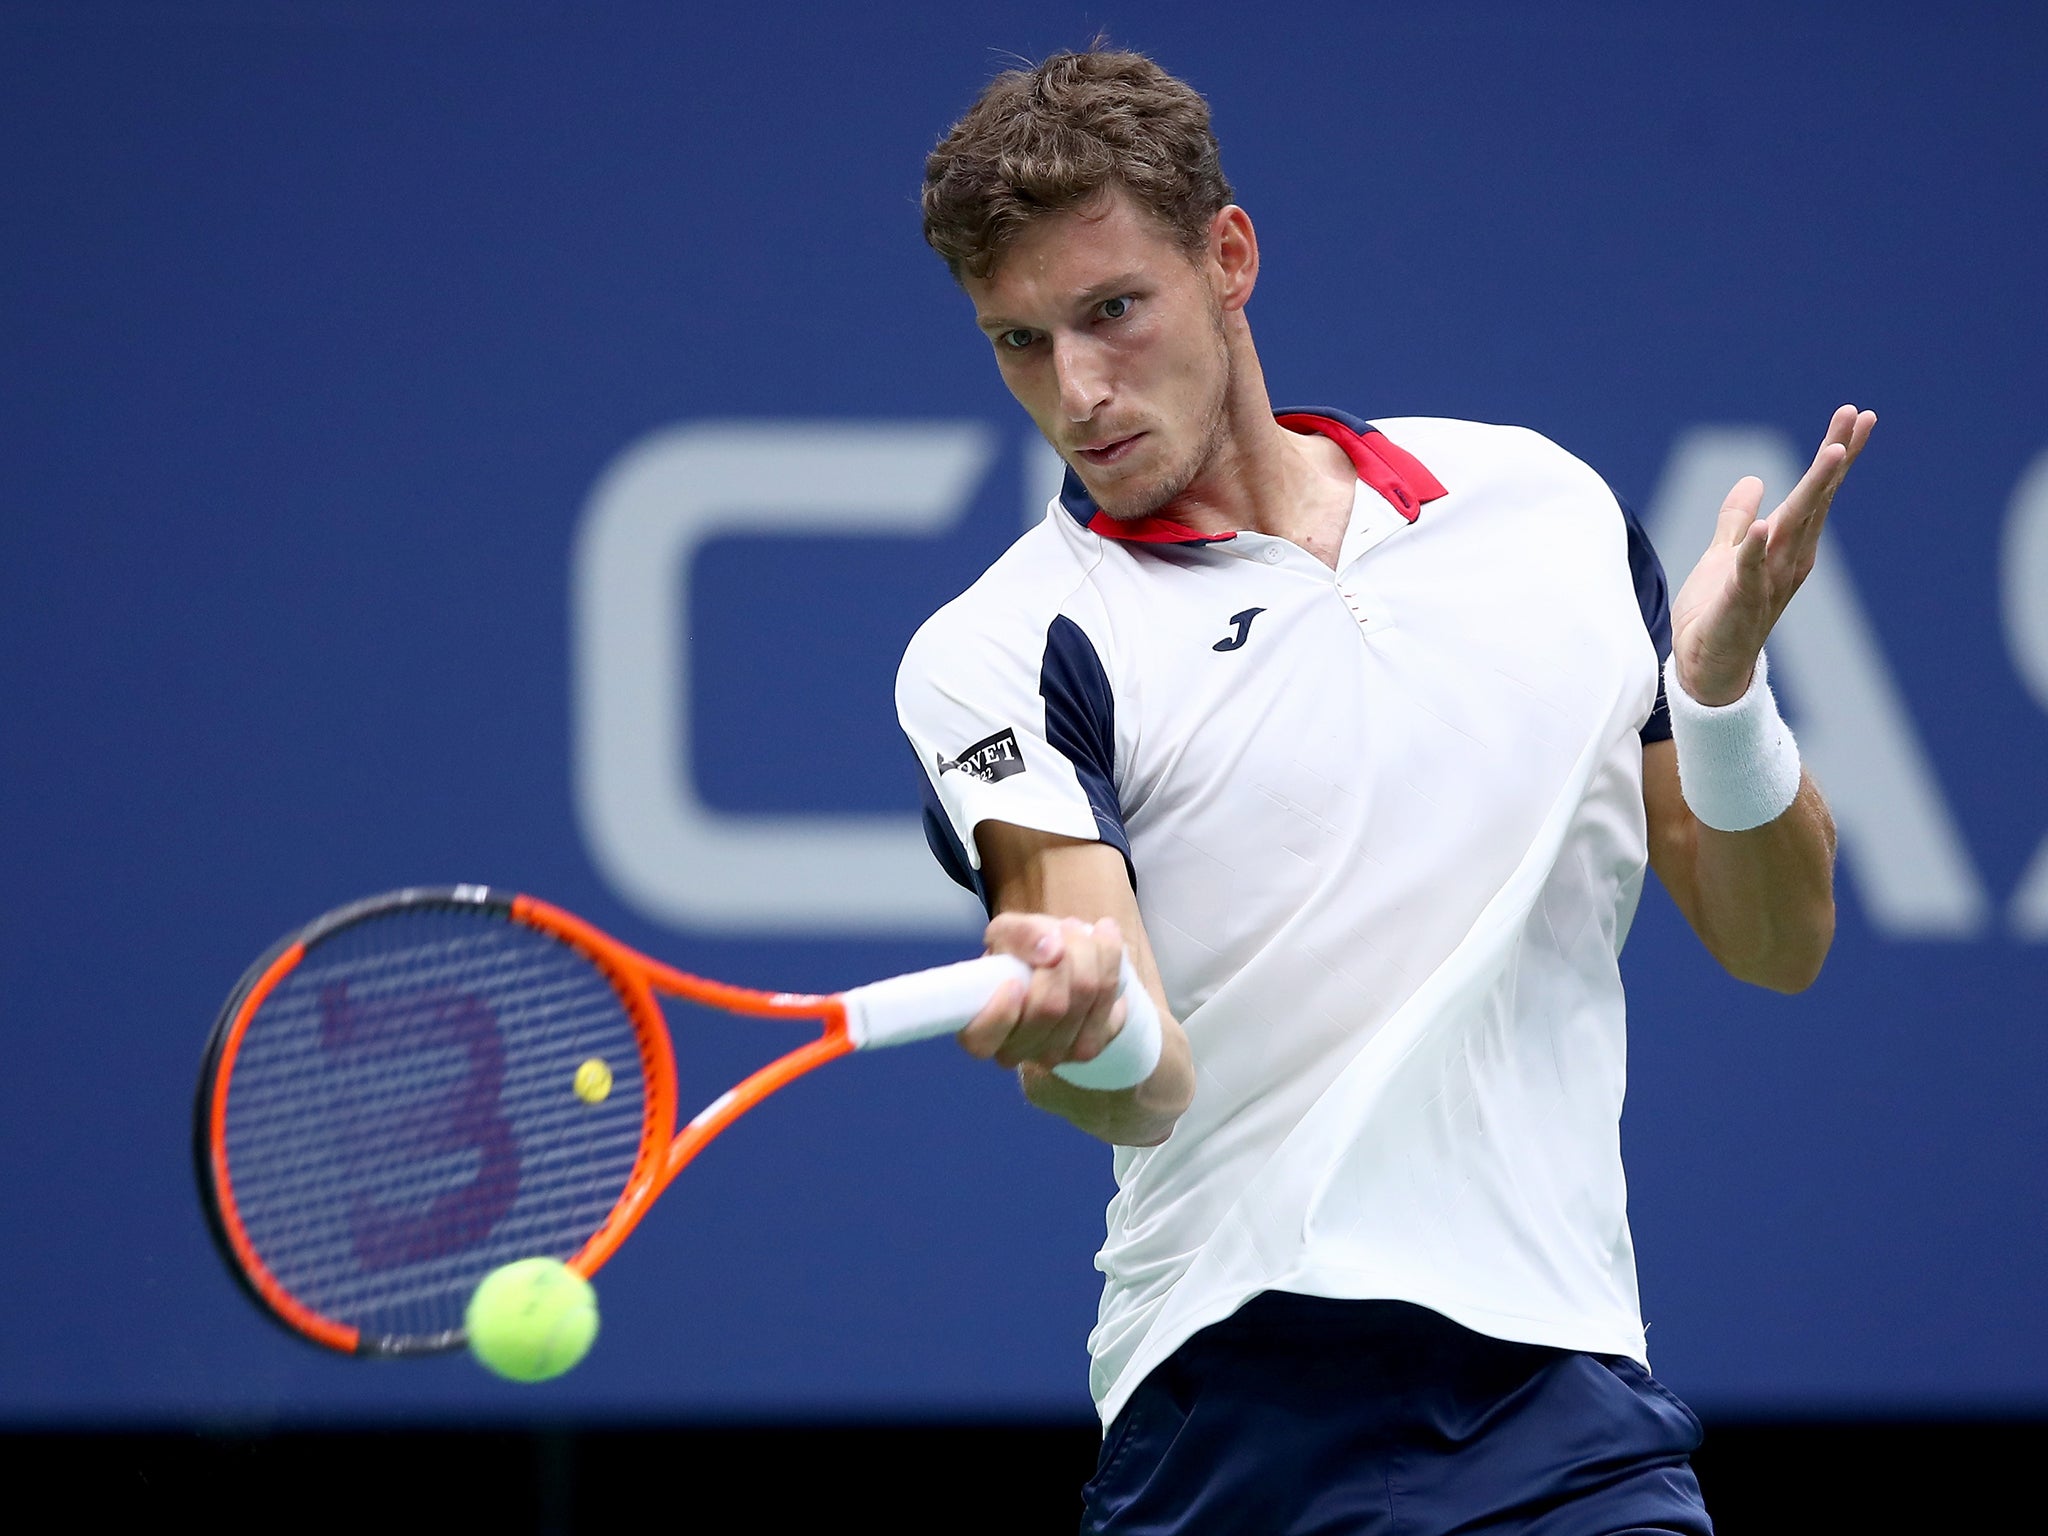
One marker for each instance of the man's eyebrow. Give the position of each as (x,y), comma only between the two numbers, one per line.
(1116,287)
(1088,298)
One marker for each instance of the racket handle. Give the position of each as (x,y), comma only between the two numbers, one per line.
(942,1000)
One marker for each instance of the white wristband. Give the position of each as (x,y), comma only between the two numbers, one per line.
(1738,766)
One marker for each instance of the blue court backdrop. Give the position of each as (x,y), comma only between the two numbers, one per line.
(513,442)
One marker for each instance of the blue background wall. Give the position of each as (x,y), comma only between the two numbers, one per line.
(322,321)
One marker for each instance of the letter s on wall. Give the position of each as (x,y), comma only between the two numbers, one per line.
(667,854)
(2023,572)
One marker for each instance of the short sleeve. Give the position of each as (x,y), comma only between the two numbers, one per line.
(1018,729)
(1653,597)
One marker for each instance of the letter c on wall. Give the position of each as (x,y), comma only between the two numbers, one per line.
(664,851)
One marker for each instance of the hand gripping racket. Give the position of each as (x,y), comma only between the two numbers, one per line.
(417,1088)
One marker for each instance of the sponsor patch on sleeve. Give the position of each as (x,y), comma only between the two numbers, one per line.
(991,759)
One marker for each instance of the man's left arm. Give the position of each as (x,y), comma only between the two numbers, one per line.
(1762,901)
(1754,875)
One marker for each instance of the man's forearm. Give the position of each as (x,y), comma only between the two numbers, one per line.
(1049,878)
(1142,1116)
(1763,901)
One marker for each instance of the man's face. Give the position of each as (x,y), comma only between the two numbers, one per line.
(1112,338)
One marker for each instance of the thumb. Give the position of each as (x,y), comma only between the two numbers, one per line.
(1749,556)
(1738,511)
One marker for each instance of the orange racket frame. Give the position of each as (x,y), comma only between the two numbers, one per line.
(636,977)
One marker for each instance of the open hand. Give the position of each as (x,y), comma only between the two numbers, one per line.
(1729,603)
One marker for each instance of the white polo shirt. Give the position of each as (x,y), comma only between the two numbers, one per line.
(1386,829)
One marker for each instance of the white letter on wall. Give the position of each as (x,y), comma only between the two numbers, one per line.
(2023,572)
(1910,868)
(669,855)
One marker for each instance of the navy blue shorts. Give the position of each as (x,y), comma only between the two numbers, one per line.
(1305,1415)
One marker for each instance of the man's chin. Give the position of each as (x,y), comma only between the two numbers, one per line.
(1126,499)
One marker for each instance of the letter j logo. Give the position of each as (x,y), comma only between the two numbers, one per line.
(1243,621)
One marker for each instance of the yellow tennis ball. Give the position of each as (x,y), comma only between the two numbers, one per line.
(532,1320)
(594,1081)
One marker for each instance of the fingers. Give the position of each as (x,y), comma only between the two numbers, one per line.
(1840,425)
(988,1029)
(1059,1002)
(1070,1008)
(1067,1016)
(1796,524)
(1032,937)
(1830,462)
(1848,430)
(1851,428)
(1860,426)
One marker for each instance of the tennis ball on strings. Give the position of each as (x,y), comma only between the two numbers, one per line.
(532,1320)
(594,1081)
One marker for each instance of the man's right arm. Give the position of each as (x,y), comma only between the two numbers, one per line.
(1065,907)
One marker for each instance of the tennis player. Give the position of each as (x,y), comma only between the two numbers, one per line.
(1359,736)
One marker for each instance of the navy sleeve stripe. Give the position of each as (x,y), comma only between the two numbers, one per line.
(945,843)
(1653,597)
(1080,724)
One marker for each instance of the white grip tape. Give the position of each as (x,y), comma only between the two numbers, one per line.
(927,1003)
(940,1001)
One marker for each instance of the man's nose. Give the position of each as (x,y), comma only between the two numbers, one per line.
(1083,381)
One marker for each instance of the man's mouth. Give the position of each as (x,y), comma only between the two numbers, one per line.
(1111,451)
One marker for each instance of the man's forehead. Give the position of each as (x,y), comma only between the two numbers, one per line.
(1066,255)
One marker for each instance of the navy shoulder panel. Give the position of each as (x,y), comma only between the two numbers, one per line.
(1080,724)
(945,843)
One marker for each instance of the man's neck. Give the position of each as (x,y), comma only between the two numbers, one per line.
(1263,478)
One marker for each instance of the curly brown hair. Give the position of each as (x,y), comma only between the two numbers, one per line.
(1048,139)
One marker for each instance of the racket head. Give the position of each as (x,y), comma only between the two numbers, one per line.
(389,1110)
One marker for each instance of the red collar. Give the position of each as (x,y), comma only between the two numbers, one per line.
(1395,473)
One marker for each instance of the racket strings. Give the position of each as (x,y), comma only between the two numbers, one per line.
(403,1115)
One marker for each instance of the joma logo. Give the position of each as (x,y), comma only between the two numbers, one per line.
(992,758)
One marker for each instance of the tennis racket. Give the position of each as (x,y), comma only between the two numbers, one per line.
(415,1089)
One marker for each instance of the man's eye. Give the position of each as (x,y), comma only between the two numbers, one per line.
(1116,309)
(1015,341)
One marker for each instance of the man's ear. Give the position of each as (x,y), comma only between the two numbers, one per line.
(1233,256)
